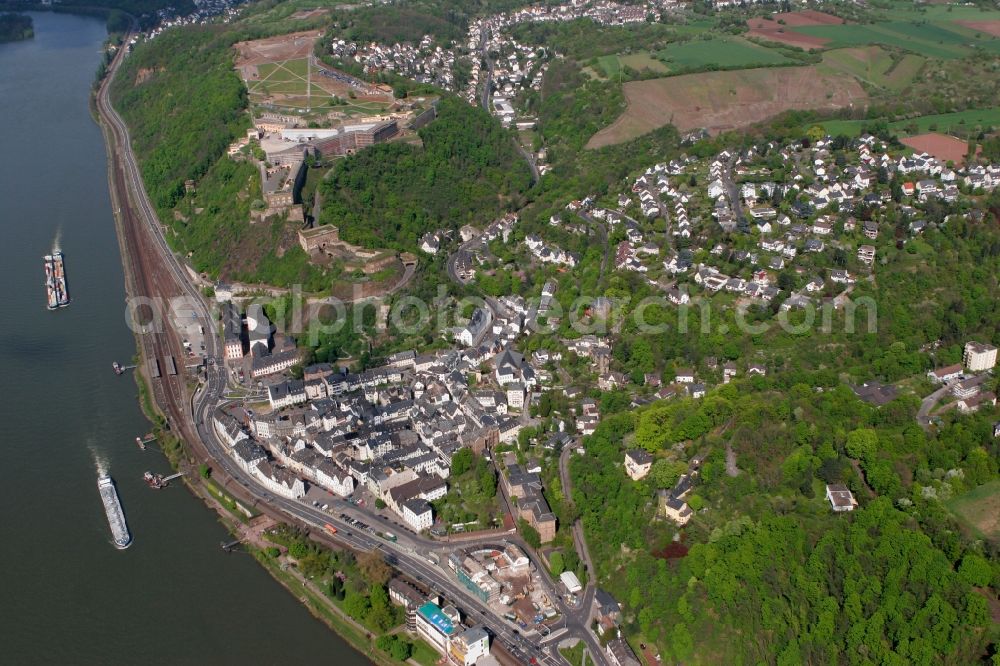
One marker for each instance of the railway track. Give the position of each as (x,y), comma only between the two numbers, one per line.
(151,270)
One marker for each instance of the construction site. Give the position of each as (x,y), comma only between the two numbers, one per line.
(282,73)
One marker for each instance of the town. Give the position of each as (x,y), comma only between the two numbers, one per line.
(618,378)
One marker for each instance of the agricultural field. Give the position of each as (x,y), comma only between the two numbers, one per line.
(720,52)
(980,509)
(612,65)
(875,66)
(936,40)
(721,101)
(934,31)
(960,122)
(781,28)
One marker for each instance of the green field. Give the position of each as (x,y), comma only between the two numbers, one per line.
(721,52)
(874,65)
(611,66)
(934,39)
(945,122)
(979,509)
(905,11)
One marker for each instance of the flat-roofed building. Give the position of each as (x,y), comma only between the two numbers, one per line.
(979,356)
(840,498)
(318,238)
(468,647)
(434,626)
(406,595)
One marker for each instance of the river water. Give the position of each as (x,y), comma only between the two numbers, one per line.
(68,595)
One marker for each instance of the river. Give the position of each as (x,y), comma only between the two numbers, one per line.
(69,595)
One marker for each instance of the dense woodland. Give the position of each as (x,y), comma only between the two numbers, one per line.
(583,39)
(183,104)
(772,576)
(467,170)
(15,27)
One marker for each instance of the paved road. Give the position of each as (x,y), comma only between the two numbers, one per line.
(577,619)
(583,611)
(602,236)
(155,270)
(928,403)
(484,100)
(731,190)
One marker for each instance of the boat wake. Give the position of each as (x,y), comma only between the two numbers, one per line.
(57,241)
(100,462)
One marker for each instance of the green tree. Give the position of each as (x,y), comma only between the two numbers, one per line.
(529,534)
(298,549)
(462,461)
(356,605)
(665,473)
(556,563)
(862,444)
(976,570)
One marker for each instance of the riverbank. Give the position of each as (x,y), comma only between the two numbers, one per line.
(186,456)
(75,416)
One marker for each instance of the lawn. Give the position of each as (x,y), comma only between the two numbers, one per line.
(641,61)
(719,52)
(575,654)
(980,509)
(424,654)
(611,66)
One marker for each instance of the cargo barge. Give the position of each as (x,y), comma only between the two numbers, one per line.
(116,516)
(56,289)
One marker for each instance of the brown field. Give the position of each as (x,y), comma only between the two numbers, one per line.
(778,32)
(808,17)
(941,146)
(988,27)
(275,49)
(721,101)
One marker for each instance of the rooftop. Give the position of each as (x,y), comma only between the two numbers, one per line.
(433,614)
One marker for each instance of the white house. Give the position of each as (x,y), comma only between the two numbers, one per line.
(279,480)
(334,479)
(637,463)
(418,514)
(840,498)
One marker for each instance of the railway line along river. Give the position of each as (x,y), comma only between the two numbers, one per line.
(69,595)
